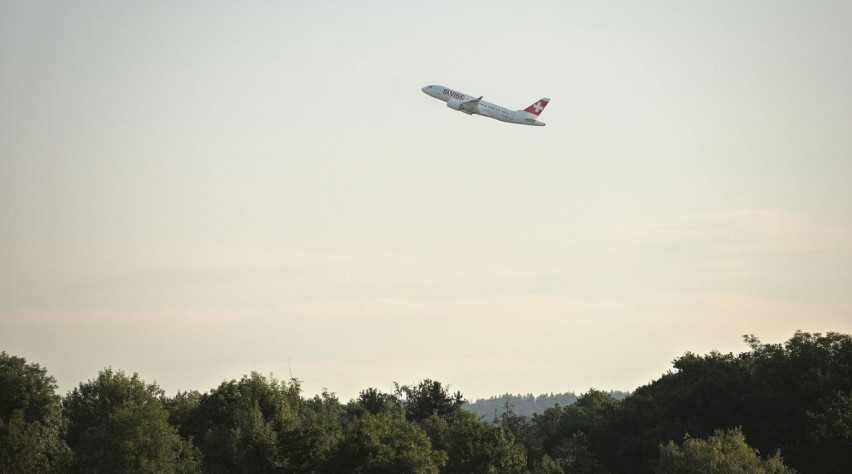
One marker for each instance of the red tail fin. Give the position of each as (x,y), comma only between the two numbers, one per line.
(536,108)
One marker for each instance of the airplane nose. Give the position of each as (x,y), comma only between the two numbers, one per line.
(424,89)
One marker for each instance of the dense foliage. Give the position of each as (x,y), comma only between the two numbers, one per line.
(31,423)
(778,408)
(724,452)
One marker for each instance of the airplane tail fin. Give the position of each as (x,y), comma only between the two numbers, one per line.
(537,107)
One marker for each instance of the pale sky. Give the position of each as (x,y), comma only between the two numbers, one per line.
(194,190)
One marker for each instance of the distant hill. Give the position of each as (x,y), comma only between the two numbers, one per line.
(524,405)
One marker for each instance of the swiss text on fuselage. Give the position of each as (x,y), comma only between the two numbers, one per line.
(454,94)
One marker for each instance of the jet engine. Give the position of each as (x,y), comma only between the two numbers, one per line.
(454,104)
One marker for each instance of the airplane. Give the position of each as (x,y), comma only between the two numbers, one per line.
(468,104)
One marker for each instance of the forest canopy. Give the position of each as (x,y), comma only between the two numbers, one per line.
(775,408)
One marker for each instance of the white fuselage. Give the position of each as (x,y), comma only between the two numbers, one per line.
(481,107)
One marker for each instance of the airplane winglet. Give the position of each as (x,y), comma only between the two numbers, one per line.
(469,107)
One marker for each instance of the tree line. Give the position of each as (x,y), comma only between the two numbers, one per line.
(776,408)
(525,405)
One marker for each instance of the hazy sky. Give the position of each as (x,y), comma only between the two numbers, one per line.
(194,190)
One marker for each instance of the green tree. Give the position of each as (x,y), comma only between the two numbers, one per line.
(181,407)
(470,444)
(135,438)
(702,394)
(567,434)
(31,423)
(522,430)
(726,452)
(375,401)
(263,425)
(427,398)
(245,426)
(548,466)
(473,445)
(118,424)
(574,455)
(830,434)
(386,443)
(792,383)
(320,433)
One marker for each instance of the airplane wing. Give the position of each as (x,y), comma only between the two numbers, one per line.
(469,106)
